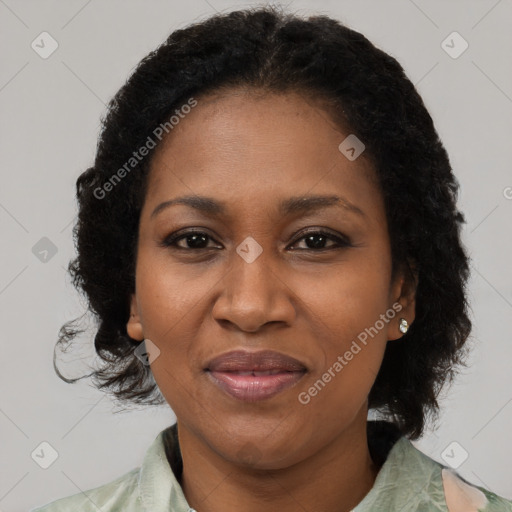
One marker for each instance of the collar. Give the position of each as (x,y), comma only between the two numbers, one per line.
(159,490)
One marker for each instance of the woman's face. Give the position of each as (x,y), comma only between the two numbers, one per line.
(258,276)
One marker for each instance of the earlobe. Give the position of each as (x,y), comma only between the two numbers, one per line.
(405,294)
(134,325)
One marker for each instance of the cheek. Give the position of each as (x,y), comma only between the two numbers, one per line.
(166,294)
(169,305)
(352,315)
(351,296)
(352,345)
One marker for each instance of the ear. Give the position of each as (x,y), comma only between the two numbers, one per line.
(134,325)
(403,300)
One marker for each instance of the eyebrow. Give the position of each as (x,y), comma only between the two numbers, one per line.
(292,205)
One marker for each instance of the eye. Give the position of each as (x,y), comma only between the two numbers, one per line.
(192,240)
(316,241)
(198,240)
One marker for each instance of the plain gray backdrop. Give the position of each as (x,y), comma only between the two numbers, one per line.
(50,112)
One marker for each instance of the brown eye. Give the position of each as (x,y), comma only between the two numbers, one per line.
(193,240)
(316,240)
(198,240)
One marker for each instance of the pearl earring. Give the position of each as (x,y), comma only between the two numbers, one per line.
(403,325)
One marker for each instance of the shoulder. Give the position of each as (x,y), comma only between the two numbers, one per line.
(446,489)
(461,495)
(120,494)
(411,481)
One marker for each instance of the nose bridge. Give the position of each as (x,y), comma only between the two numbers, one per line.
(252,293)
(251,275)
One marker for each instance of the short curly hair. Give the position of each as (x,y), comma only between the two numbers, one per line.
(368,91)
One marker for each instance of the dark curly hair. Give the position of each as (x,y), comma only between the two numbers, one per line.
(367,90)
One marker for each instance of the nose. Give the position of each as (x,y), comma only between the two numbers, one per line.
(253,294)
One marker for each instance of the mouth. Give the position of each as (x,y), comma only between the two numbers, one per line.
(254,376)
(256,385)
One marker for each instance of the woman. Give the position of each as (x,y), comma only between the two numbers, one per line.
(269,239)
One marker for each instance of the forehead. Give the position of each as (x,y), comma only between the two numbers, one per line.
(242,144)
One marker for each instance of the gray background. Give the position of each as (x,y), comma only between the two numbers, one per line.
(50,111)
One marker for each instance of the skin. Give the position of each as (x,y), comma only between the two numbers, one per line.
(250,151)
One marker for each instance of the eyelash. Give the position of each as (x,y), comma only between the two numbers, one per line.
(171,240)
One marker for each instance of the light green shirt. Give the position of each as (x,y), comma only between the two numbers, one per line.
(408,481)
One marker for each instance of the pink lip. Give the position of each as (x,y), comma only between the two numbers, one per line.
(253,376)
(256,386)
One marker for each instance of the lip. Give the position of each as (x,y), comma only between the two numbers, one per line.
(254,376)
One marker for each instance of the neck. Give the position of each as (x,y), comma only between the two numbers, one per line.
(336,478)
